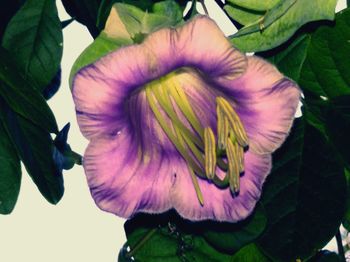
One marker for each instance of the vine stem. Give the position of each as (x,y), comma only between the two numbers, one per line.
(141,242)
(341,252)
(204,7)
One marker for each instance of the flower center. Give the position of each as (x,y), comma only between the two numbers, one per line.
(204,152)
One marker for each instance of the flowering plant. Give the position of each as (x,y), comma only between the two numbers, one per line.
(213,147)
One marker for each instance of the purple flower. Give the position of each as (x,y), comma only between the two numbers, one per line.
(182,120)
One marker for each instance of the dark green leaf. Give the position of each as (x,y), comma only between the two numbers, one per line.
(317,62)
(280,26)
(291,59)
(167,237)
(346,219)
(230,237)
(7,10)
(326,71)
(325,256)
(85,12)
(52,88)
(303,196)
(250,253)
(35,148)
(34,39)
(22,96)
(338,125)
(10,173)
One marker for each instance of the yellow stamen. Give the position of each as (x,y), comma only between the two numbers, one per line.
(181,100)
(233,166)
(235,122)
(164,100)
(209,152)
(171,135)
(193,176)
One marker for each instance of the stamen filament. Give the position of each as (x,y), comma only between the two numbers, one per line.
(234,120)
(193,176)
(185,106)
(196,187)
(233,167)
(209,152)
(170,134)
(164,100)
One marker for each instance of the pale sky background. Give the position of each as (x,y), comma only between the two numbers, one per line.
(75,229)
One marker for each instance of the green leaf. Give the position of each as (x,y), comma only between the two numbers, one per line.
(256,5)
(35,148)
(85,12)
(10,173)
(338,126)
(166,237)
(22,96)
(250,253)
(303,196)
(291,59)
(230,237)
(326,71)
(317,62)
(346,219)
(242,15)
(281,26)
(34,39)
(7,10)
(267,19)
(106,6)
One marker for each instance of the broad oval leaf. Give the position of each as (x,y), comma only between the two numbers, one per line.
(7,11)
(10,173)
(281,29)
(303,196)
(166,237)
(34,39)
(250,253)
(230,237)
(35,148)
(326,71)
(22,96)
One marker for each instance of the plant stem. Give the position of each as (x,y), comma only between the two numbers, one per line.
(141,242)
(204,7)
(340,246)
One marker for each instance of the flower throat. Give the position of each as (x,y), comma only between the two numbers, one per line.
(204,152)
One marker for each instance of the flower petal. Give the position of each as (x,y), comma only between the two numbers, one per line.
(219,203)
(101,89)
(123,180)
(266,102)
(199,44)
